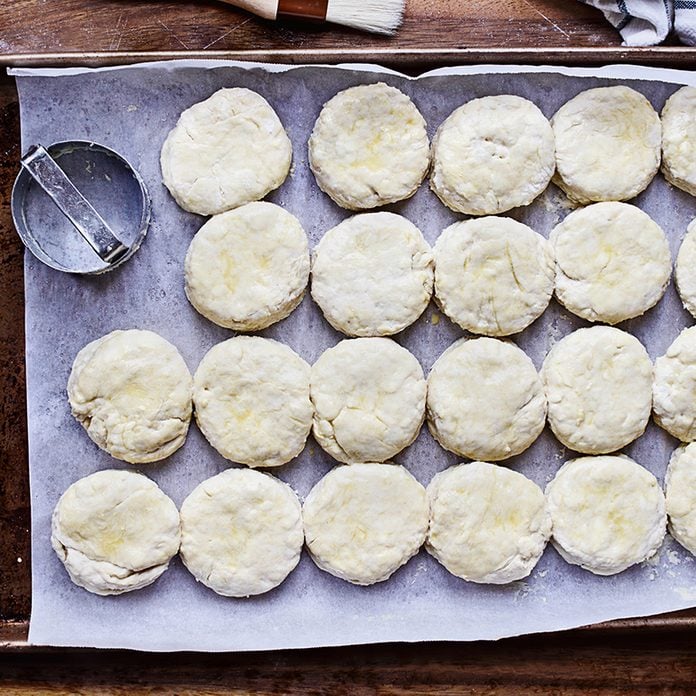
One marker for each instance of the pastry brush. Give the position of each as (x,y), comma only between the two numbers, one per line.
(379,16)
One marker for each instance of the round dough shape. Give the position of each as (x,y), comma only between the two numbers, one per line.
(493,275)
(115,531)
(607,144)
(372,275)
(131,391)
(674,388)
(248,268)
(612,262)
(364,521)
(680,490)
(685,269)
(598,384)
(225,151)
(679,139)
(369,399)
(608,513)
(252,401)
(492,154)
(369,147)
(488,524)
(485,399)
(241,532)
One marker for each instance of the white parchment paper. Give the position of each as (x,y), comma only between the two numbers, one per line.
(131,109)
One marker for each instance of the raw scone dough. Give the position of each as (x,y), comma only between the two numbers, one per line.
(369,399)
(487,523)
(598,383)
(364,521)
(612,262)
(372,275)
(492,154)
(608,513)
(225,151)
(680,490)
(674,388)
(493,275)
(115,531)
(248,268)
(241,532)
(131,391)
(369,147)
(685,269)
(679,139)
(252,401)
(485,399)
(607,144)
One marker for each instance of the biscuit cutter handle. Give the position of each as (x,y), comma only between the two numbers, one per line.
(86,220)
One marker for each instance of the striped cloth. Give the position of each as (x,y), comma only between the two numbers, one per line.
(648,22)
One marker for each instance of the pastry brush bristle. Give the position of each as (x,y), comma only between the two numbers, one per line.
(378,16)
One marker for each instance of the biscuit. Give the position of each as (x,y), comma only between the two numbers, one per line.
(225,151)
(492,154)
(685,269)
(372,275)
(241,532)
(248,268)
(493,275)
(607,144)
(485,399)
(488,524)
(674,388)
(608,513)
(364,521)
(369,147)
(131,391)
(679,139)
(680,492)
(612,262)
(598,384)
(115,531)
(252,401)
(369,399)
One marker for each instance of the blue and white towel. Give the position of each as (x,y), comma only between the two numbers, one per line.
(648,22)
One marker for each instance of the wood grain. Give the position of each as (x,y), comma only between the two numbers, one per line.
(35,26)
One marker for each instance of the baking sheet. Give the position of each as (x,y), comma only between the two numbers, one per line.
(131,109)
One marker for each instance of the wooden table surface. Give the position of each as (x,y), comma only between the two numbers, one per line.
(634,657)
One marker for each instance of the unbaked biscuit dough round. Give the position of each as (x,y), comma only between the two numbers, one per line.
(248,268)
(131,391)
(598,384)
(679,139)
(363,522)
(674,388)
(680,491)
(485,399)
(607,144)
(225,151)
(608,513)
(369,147)
(685,269)
(493,275)
(369,399)
(115,531)
(612,262)
(488,524)
(372,275)
(492,154)
(252,401)
(241,532)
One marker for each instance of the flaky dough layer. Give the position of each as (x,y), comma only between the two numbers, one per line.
(680,492)
(225,151)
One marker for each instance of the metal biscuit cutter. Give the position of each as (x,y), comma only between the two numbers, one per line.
(80,207)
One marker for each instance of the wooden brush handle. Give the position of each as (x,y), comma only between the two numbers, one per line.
(271,9)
